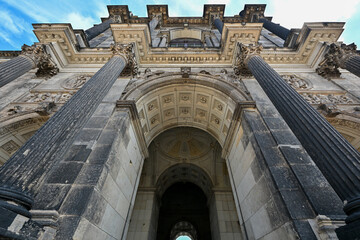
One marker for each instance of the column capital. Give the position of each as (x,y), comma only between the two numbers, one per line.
(244,53)
(127,51)
(42,60)
(336,57)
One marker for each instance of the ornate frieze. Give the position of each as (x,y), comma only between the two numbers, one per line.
(335,58)
(42,60)
(244,53)
(56,97)
(318,98)
(128,52)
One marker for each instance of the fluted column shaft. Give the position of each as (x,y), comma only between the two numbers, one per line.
(14,68)
(208,41)
(335,157)
(97,29)
(21,173)
(219,24)
(352,64)
(278,30)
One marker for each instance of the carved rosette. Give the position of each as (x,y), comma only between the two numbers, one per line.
(128,52)
(243,55)
(335,58)
(46,66)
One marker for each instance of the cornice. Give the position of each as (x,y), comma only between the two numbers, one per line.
(248,33)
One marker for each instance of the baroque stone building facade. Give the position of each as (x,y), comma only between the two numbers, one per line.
(156,127)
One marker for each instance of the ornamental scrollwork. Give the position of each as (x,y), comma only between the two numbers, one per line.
(75,82)
(42,60)
(244,53)
(335,58)
(295,82)
(128,52)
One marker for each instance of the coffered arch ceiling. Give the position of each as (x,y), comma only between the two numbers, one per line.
(199,101)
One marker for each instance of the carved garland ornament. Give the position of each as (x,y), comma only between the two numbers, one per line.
(128,52)
(335,58)
(244,53)
(46,66)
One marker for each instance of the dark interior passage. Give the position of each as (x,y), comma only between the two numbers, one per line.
(184,202)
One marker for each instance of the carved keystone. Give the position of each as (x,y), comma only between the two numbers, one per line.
(336,57)
(42,60)
(242,57)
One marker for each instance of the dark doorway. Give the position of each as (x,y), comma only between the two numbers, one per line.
(184,202)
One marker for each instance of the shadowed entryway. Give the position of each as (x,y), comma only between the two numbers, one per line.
(184,202)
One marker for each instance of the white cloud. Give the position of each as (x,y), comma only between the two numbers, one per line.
(218,1)
(12,23)
(293,14)
(7,38)
(78,21)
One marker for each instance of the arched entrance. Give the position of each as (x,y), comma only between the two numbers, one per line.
(183,210)
(183,185)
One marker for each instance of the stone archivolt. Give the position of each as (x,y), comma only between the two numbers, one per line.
(46,66)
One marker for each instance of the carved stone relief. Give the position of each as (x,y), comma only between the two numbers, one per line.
(56,97)
(295,82)
(75,83)
(244,52)
(43,61)
(317,98)
(335,58)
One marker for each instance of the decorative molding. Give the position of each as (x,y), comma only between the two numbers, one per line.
(244,53)
(128,52)
(335,58)
(55,97)
(318,98)
(46,66)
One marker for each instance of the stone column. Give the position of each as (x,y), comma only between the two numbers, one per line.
(97,29)
(278,30)
(208,40)
(339,55)
(219,24)
(335,157)
(31,57)
(163,42)
(21,175)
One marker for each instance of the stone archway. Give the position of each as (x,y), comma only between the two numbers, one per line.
(178,157)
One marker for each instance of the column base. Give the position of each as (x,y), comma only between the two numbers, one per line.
(350,231)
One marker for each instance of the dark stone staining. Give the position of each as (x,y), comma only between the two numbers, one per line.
(88,135)
(65,173)
(89,174)
(96,208)
(107,137)
(100,154)
(77,153)
(68,226)
(304,230)
(51,196)
(96,122)
(6,218)
(76,201)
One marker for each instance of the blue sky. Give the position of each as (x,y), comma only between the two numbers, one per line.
(16,16)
